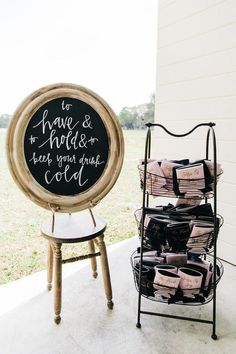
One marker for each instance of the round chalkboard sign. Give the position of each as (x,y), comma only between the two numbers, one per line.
(65,147)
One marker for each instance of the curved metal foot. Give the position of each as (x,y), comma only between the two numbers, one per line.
(110,304)
(57,319)
(214,336)
(138,325)
(95,274)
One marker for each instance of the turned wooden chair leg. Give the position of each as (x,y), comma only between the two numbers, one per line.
(105,271)
(57,282)
(50,266)
(93,260)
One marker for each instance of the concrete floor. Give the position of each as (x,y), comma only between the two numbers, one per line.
(88,326)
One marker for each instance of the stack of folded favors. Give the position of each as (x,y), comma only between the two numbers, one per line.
(179,177)
(178,228)
(175,277)
(178,236)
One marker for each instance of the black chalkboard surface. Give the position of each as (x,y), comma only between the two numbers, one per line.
(66,146)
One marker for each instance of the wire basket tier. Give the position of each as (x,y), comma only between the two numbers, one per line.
(163,233)
(160,186)
(175,295)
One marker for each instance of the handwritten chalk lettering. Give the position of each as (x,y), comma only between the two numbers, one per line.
(66,106)
(87,122)
(76,141)
(66,146)
(65,176)
(82,142)
(94,161)
(32,139)
(65,159)
(92,140)
(41,159)
(58,122)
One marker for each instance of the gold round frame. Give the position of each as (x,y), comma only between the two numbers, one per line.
(16,158)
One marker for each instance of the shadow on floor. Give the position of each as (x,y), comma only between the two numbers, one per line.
(88,326)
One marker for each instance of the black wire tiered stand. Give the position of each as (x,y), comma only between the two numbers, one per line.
(145,286)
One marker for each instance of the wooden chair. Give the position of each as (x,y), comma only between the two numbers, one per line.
(67,228)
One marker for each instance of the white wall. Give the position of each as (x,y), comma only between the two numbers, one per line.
(196,82)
